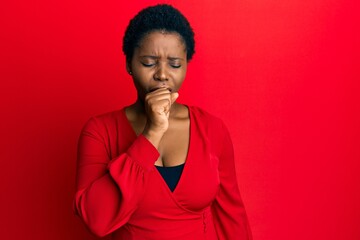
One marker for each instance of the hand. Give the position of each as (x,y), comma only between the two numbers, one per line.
(157,106)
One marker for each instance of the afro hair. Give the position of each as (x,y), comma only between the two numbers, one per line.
(162,17)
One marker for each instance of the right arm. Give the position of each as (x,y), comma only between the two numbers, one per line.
(109,190)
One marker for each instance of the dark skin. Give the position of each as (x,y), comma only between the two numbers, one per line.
(158,68)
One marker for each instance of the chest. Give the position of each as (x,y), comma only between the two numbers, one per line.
(174,145)
(197,186)
(186,142)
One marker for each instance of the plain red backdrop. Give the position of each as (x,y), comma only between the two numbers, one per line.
(283,75)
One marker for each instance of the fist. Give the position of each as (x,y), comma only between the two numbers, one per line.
(157,106)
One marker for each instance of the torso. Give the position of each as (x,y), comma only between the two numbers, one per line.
(174,145)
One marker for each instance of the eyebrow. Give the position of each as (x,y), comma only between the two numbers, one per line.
(156,57)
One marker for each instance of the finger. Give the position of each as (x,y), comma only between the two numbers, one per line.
(174,96)
(163,92)
(161,106)
(153,100)
(159,90)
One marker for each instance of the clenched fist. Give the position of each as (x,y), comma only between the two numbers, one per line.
(157,106)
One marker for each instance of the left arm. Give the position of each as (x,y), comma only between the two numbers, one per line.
(228,211)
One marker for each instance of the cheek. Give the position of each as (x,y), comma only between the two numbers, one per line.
(141,77)
(139,84)
(181,77)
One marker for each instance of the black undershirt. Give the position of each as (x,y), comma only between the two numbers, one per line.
(171,175)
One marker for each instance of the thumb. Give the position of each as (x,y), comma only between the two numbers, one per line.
(174,96)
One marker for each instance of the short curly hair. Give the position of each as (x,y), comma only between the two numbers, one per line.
(161,17)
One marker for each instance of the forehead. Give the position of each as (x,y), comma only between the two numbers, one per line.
(162,43)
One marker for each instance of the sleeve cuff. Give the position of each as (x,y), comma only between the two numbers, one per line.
(143,152)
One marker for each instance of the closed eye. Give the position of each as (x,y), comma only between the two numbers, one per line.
(175,66)
(148,64)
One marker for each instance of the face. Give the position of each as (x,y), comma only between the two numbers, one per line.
(159,61)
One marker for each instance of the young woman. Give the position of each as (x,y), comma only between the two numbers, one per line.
(158,169)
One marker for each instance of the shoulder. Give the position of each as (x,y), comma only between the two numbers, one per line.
(213,129)
(105,121)
(208,119)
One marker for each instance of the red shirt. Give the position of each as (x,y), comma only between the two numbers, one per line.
(120,191)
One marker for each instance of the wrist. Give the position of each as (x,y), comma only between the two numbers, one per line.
(154,136)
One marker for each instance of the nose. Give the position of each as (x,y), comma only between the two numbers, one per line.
(161,74)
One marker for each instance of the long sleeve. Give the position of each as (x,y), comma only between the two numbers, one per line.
(109,190)
(228,211)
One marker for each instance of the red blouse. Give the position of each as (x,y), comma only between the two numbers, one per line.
(120,191)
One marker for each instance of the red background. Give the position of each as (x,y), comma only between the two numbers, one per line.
(283,75)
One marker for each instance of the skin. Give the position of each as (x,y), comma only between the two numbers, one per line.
(158,69)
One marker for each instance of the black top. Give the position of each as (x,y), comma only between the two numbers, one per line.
(171,175)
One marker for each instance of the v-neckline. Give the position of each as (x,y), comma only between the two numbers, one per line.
(186,163)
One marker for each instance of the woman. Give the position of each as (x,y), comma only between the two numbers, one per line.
(158,169)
